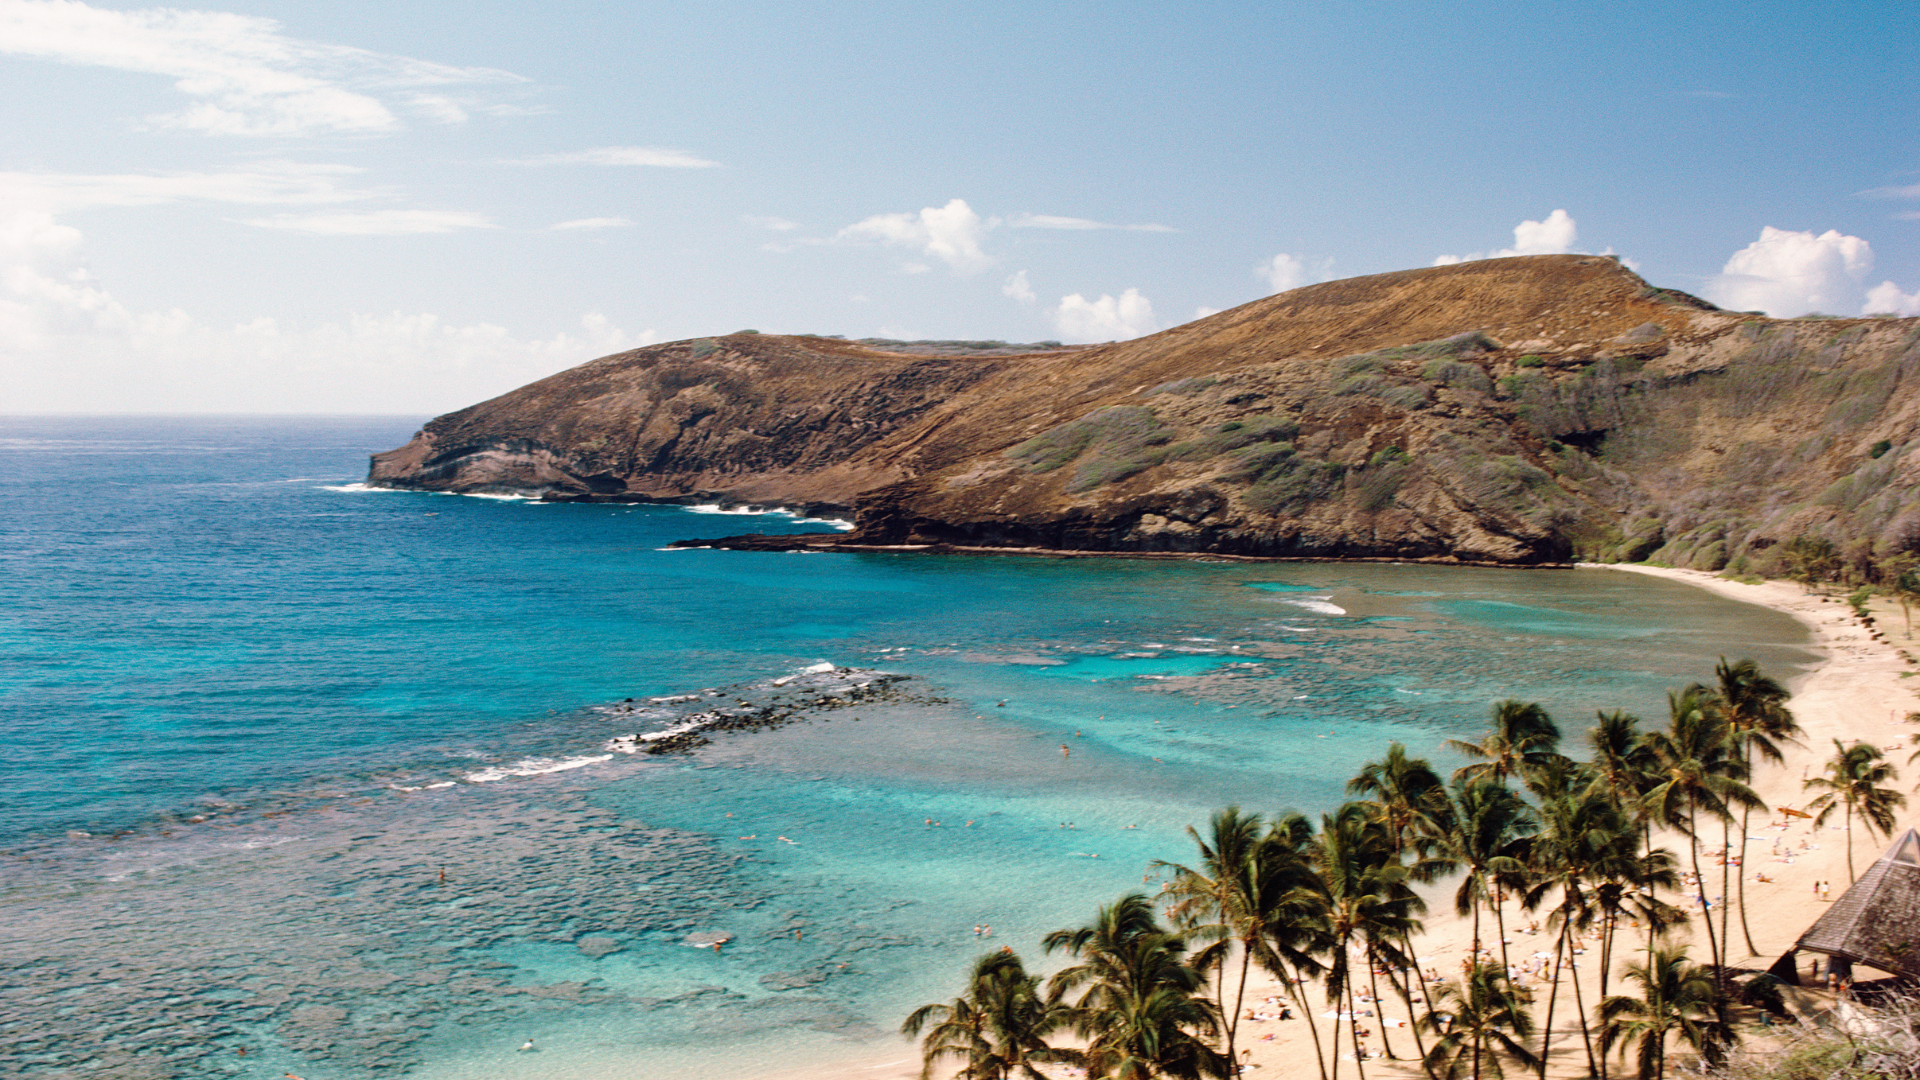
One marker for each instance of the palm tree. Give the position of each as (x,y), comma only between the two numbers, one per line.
(1364,902)
(1406,790)
(1852,780)
(1674,996)
(1485,830)
(1141,1008)
(1700,772)
(1629,891)
(1292,936)
(1523,736)
(1755,707)
(998,1025)
(1584,837)
(1475,1023)
(1626,764)
(1409,800)
(1225,900)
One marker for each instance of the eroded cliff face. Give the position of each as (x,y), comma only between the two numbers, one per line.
(1520,411)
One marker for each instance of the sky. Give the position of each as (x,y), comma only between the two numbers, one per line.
(408,206)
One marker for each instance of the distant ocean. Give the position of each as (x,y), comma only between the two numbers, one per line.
(304,777)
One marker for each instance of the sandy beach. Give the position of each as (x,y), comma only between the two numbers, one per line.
(1857,691)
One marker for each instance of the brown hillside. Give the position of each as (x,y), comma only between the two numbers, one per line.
(1511,410)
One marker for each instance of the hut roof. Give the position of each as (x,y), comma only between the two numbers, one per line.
(1877,920)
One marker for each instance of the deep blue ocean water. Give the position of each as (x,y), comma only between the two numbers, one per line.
(322,774)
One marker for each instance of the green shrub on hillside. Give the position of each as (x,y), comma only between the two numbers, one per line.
(1374,487)
(1233,435)
(1292,483)
(1114,440)
(1457,375)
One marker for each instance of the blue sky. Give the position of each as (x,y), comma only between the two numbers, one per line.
(381,207)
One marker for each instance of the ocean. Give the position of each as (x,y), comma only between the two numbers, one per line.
(302,777)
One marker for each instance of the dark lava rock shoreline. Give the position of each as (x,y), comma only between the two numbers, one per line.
(688,721)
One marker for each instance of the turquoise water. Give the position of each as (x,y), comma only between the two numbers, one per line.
(323,774)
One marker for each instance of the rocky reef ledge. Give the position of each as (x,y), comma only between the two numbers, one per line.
(685,722)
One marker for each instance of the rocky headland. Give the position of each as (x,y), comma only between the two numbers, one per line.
(1521,411)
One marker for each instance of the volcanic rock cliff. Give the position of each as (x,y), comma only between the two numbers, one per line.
(1525,411)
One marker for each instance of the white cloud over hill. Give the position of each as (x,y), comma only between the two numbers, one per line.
(1078,319)
(1786,273)
(1554,236)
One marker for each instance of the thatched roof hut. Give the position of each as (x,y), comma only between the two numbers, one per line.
(1876,922)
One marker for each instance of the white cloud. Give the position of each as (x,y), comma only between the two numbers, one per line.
(650,156)
(377,222)
(1282,272)
(1887,299)
(244,77)
(66,345)
(1787,273)
(1203,311)
(593,223)
(267,183)
(1018,288)
(1078,319)
(1554,236)
(950,233)
(1050,221)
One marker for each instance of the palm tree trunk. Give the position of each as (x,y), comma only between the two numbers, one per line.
(1646,885)
(1607,930)
(1700,887)
(1595,1067)
(1726,881)
(1353,1017)
(1239,996)
(1500,924)
(1406,995)
(1474,900)
(1745,816)
(1299,995)
(1373,983)
(1476,1040)
(1553,995)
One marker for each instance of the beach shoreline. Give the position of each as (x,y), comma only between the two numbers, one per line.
(1855,691)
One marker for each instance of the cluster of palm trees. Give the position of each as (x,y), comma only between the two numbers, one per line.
(1333,903)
